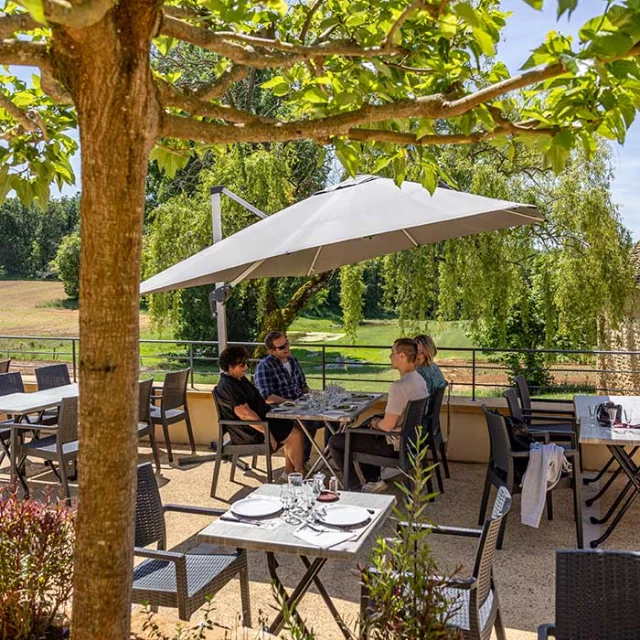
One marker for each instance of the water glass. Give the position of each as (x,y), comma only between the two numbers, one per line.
(318,480)
(593,409)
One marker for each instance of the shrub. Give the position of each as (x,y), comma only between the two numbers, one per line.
(36,566)
(66,264)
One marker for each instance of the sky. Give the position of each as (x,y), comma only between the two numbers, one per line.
(526,29)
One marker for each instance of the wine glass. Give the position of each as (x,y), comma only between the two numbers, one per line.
(592,413)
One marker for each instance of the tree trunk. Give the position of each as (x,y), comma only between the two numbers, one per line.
(118,117)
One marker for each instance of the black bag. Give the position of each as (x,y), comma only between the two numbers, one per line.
(602,413)
(521,439)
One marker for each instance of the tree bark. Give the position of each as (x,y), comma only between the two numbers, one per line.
(106,68)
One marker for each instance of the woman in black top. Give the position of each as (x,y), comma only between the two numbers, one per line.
(239,399)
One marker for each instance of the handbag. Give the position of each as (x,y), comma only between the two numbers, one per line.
(603,413)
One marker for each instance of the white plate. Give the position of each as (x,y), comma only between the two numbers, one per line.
(342,515)
(256,507)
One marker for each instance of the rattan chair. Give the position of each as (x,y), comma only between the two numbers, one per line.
(407,436)
(145,428)
(475,605)
(173,407)
(431,423)
(179,580)
(11,383)
(61,447)
(52,376)
(4,365)
(522,388)
(506,467)
(596,596)
(225,449)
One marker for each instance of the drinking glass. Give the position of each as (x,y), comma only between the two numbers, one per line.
(288,502)
(592,413)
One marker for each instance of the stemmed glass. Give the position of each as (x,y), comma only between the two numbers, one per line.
(592,413)
(288,502)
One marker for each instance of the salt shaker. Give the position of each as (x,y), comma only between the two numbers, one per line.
(333,484)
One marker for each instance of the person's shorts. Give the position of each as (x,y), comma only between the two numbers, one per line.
(244,434)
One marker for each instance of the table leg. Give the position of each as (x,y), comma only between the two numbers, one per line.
(322,453)
(332,607)
(316,465)
(290,602)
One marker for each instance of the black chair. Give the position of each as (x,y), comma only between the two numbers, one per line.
(182,581)
(474,599)
(506,467)
(435,440)
(557,431)
(11,383)
(596,596)
(226,450)
(407,436)
(4,365)
(173,407)
(52,376)
(61,447)
(145,428)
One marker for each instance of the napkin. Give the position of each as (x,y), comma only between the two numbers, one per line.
(323,538)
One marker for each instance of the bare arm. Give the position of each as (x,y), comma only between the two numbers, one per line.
(244,412)
(274,399)
(388,423)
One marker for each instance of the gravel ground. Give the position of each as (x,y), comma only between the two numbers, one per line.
(524,569)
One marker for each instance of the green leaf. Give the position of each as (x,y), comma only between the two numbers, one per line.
(315,95)
(429,176)
(348,156)
(278,84)
(564,139)
(557,157)
(35,8)
(485,41)
(536,4)
(168,160)
(467,13)
(382,162)
(615,44)
(5,182)
(566,5)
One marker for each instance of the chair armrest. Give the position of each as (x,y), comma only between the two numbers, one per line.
(243,422)
(519,454)
(28,426)
(201,511)
(372,432)
(558,412)
(449,531)
(554,400)
(546,631)
(568,420)
(462,583)
(159,554)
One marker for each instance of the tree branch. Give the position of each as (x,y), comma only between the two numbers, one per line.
(76,16)
(220,85)
(9,24)
(307,21)
(17,114)
(23,53)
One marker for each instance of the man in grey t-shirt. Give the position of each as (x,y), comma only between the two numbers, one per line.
(410,386)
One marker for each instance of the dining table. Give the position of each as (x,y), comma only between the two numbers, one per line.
(622,440)
(315,546)
(23,404)
(337,416)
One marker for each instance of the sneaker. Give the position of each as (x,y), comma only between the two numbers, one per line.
(375,487)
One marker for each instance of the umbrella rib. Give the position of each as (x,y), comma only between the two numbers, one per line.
(247,272)
(524,215)
(315,259)
(406,233)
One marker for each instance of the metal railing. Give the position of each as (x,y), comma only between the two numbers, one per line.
(474,371)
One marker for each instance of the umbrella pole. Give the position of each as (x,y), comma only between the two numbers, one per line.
(216,223)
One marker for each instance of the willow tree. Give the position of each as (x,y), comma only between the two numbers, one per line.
(353,73)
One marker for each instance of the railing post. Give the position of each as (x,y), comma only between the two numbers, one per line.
(473,375)
(73,356)
(191,363)
(324,367)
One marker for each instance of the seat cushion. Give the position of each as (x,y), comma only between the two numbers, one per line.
(460,599)
(47,446)
(160,576)
(171,414)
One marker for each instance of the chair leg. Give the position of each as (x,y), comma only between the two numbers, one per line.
(154,448)
(234,463)
(245,597)
(254,462)
(549,505)
(167,441)
(192,441)
(216,472)
(485,499)
(437,470)
(577,501)
(445,462)
(503,528)
(62,463)
(269,463)
(501,634)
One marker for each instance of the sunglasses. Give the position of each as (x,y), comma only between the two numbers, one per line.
(282,347)
(244,363)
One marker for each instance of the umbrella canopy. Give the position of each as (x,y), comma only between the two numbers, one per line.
(358,219)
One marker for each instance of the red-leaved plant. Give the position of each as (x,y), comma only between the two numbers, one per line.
(36,566)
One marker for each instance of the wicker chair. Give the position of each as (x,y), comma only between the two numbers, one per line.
(474,599)
(52,376)
(504,471)
(145,428)
(228,450)
(179,580)
(4,365)
(407,435)
(61,447)
(173,407)
(596,596)
(11,383)
(431,423)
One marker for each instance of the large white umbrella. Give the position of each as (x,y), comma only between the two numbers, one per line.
(357,219)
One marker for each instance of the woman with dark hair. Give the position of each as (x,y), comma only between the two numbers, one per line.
(238,399)
(426,367)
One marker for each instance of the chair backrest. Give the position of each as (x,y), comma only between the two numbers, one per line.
(597,594)
(52,376)
(174,389)
(144,399)
(68,421)
(413,416)
(11,383)
(150,525)
(434,404)
(483,568)
(4,365)
(514,405)
(523,391)
(499,441)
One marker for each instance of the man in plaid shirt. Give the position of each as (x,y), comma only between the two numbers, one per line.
(279,377)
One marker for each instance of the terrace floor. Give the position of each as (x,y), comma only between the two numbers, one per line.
(524,569)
